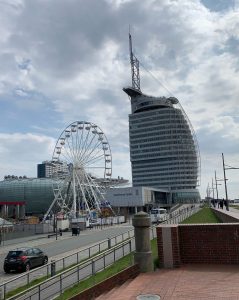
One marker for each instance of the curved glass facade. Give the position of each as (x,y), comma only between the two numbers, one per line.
(163,148)
(36,192)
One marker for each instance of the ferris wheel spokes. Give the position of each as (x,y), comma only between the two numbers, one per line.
(83,164)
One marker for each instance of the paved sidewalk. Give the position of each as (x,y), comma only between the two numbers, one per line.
(189,282)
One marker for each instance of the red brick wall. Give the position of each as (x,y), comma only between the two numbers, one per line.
(160,246)
(202,243)
(175,247)
(108,284)
(209,243)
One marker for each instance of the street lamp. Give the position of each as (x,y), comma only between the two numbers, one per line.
(213,189)
(216,180)
(226,167)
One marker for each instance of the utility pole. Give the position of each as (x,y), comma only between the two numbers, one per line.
(212,189)
(216,184)
(225,182)
(226,167)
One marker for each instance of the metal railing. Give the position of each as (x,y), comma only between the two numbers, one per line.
(109,246)
(177,218)
(62,263)
(57,284)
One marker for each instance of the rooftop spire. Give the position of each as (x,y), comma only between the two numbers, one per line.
(134,67)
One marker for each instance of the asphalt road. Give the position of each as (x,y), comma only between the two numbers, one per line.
(63,246)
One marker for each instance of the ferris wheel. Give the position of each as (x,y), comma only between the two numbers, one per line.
(81,168)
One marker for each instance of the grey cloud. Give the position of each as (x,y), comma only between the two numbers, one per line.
(61,50)
(215,142)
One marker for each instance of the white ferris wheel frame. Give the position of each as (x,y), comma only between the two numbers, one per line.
(81,147)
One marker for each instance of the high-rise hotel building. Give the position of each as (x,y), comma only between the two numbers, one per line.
(163,148)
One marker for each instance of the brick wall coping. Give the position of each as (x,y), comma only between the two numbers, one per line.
(206,224)
(198,224)
(168,225)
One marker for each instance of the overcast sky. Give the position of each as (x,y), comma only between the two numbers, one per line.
(65,61)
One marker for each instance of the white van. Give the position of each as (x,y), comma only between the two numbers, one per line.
(158,215)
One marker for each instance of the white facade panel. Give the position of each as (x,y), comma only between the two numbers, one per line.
(125,197)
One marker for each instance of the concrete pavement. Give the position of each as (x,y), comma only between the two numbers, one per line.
(189,282)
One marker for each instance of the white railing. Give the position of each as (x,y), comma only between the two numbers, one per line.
(57,284)
(81,270)
(62,263)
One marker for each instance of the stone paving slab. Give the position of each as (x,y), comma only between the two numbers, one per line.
(189,282)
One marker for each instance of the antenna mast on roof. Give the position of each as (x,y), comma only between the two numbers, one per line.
(134,67)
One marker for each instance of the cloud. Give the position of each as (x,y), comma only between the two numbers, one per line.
(21,153)
(66,61)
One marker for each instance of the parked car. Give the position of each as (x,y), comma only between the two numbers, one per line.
(158,215)
(24,259)
(93,222)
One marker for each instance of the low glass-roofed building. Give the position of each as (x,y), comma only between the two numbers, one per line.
(35,192)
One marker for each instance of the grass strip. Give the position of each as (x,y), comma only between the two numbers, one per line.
(43,278)
(115,268)
(205,215)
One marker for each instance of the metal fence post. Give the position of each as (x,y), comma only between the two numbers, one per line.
(109,243)
(47,271)
(60,284)
(39,292)
(77,257)
(93,267)
(53,268)
(130,252)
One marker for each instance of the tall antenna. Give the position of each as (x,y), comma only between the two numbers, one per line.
(134,67)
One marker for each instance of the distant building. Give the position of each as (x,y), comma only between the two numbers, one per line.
(46,169)
(136,198)
(35,195)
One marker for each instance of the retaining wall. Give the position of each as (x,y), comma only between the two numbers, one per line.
(108,284)
(198,243)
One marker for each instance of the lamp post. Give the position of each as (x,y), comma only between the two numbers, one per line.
(226,167)
(212,189)
(216,180)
